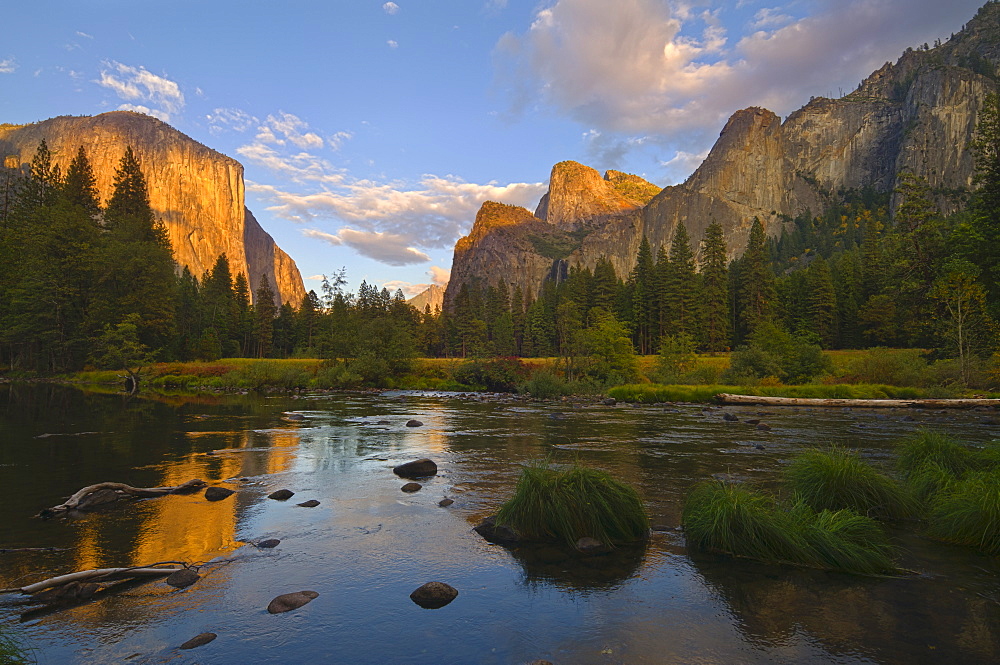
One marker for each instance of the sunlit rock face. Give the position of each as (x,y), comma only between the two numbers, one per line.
(917,116)
(195,191)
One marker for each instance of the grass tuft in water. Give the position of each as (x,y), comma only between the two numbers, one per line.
(967,512)
(12,652)
(735,520)
(569,504)
(838,478)
(929,448)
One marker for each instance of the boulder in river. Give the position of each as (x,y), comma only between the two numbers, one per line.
(501,535)
(411,487)
(281,495)
(218,493)
(730,417)
(444,503)
(763,427)
(311,503)
(433,595)
(199,641)
(414,423)
(287,602)
(420,468)
(182,578)
(268,544)
(587,545)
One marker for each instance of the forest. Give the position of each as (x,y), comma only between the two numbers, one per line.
(82,282)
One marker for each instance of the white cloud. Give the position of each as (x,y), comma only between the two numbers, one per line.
(159,96)
(390,8)
(669,70)
(282,128)
(393,43)
(388,248)
(315,278)
(439,275)
(84,34)
(8,66)
(223,119)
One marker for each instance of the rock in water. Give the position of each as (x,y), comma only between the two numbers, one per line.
(730,418)
(444,503)
(218,493)
(411,487)
(311,503)
(501,535)
(268,544)
(182,578)
(433,595)
(199,641)
(287,602)
(420,468)
(587,545)
(414,423)
(281,495)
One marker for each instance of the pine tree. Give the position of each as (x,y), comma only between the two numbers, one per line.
(756,296)
(985,249)
(264,312)
(821,302)
(643,294)
(80,186)
(715,289)
(683,292)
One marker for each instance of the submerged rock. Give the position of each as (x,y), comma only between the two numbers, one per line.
(287,602)
(281,495)
(420,468)
(611,401)
(199,641)
(182,578)
(501,535)
(411,487)
(587,545)
(433,595)
(311,503)
(268,544)
(730,417)
(764,427)
(218,493)
(444,503)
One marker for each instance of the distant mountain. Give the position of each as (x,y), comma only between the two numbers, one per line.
(433,296)
(196,192)
(916,115)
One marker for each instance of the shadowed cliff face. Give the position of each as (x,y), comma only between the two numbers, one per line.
(195,191)
(917,115)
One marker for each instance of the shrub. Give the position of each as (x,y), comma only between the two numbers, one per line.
(738,521)
(676,358)
(544,384)
(774,352)
(835,479)
(264,375)
(335,374)
(571,503)
(500,375)
(898,367)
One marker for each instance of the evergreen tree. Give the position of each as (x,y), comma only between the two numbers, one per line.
(985,240)
(715,289)
(821,302)
(80,186)
(683,292)
(642,298)
(756,296)
(264,312)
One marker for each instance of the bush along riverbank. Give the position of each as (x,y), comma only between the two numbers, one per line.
(828,513)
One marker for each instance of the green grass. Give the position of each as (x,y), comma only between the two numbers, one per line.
(838,478)
(967,512)
(735,520)
(571,503)
(12,651)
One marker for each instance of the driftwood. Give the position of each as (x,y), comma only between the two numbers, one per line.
(99,575)
(727,398)
(101,493)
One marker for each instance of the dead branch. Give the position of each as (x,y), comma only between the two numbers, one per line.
(100,575)
(101,493)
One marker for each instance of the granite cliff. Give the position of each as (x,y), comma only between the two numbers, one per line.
(195,191)
(916,115)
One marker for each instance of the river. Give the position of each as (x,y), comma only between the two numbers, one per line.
(367,545)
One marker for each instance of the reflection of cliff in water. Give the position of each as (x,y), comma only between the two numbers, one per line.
(856,616)
(564,567)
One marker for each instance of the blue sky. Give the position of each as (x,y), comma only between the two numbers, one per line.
(371,131)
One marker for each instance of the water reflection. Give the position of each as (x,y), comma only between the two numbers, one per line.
(565,568)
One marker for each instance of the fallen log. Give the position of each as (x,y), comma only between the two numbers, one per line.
(100,575)
(101,493)
(727,398)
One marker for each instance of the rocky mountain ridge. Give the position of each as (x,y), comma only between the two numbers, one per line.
(196,192)
(917,115)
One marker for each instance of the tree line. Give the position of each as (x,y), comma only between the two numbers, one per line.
(73,271)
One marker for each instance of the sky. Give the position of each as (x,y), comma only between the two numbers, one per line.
(372,131)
